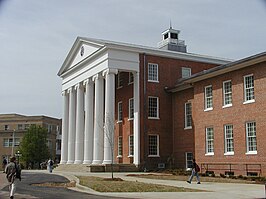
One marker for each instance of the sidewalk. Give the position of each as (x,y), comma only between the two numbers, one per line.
(212,190)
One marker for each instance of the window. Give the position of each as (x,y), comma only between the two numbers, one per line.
(227,93)
(130,78)
(153,107)
(119,80)
(8,142)
(189,158)
(119,112)
(186,72)
(209,141)
(153,145)
(131,109)
(153,72)
(131,145)
(20,126)
(120,144)
(249,88)
(208,98)
(229,139)
(251,137)
(6,127)
(188,115)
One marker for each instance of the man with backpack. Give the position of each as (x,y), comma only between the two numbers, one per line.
(50,164)
(13,173)
(195,172)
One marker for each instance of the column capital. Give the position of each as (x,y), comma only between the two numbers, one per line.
(78,86)
(65,92)
(87,81)
(69,90)
(110,71)
(97,76)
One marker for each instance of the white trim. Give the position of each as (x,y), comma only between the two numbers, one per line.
(188,128)
(247,144)
(251,153)
(249,101)
(157,70)
(208,109)
(229,153)
(186,125)
(129,112)
(245,93)
(158,145)
(209,154)
(227,105)
(205,98)
(118,112)
(157,108)
(185,68)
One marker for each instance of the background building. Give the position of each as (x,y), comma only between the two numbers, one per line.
(14,126)
(224,108)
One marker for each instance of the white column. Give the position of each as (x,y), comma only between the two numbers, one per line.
(98,121)
(88,137)
(109,116)
(72,126)
(64,142)
(79,145)
(136,127)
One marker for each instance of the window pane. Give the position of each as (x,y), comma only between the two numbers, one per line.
(209,140)
(251,136)
(153,145)
(227,93)
(153,107)
(208,97)
(229,138)
(153,72)
(131,145)
(188,115)
(249,88)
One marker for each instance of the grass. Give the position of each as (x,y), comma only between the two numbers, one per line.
(109,185)
(161,176)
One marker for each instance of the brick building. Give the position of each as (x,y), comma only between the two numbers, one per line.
(14,126)
(224,109)
(116,102)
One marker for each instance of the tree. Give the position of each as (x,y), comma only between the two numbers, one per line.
(34,147)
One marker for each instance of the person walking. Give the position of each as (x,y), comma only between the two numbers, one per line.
(4,164)
(195,172)
(50,164)
(13,173)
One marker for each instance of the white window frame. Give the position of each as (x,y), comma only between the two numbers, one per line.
(184,70)
(119,81)
(246,88)
(130,78)
(157,108)
(188,115)
(207,98)
(209,142)
(131,109)
(228,139)
(131,146)
(188,160)
(152,77)
(119,112)
(157,147)
(120,147)
(227,93)
(248,138)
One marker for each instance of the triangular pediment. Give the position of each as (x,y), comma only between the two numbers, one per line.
(80,50)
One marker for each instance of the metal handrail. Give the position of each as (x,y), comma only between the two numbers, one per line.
(208,167)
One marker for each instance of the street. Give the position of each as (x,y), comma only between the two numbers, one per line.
(26,187)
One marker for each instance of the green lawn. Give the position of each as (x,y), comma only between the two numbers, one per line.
(108,185)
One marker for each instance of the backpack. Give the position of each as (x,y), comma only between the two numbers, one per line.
(197,168)
(51,162)
(11,175)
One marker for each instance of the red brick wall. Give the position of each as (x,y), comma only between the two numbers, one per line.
(169,72)
(237,115)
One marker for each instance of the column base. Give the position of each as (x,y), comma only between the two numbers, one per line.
(63,162)
(70,162)
(107,162)
(97,162)
(78,162)
(87,162)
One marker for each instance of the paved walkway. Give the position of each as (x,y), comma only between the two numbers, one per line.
(212,190)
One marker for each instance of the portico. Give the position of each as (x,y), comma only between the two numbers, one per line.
(88,90)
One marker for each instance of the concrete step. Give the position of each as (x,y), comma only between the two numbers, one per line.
(97,168)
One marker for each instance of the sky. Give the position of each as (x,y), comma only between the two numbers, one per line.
(36,36)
